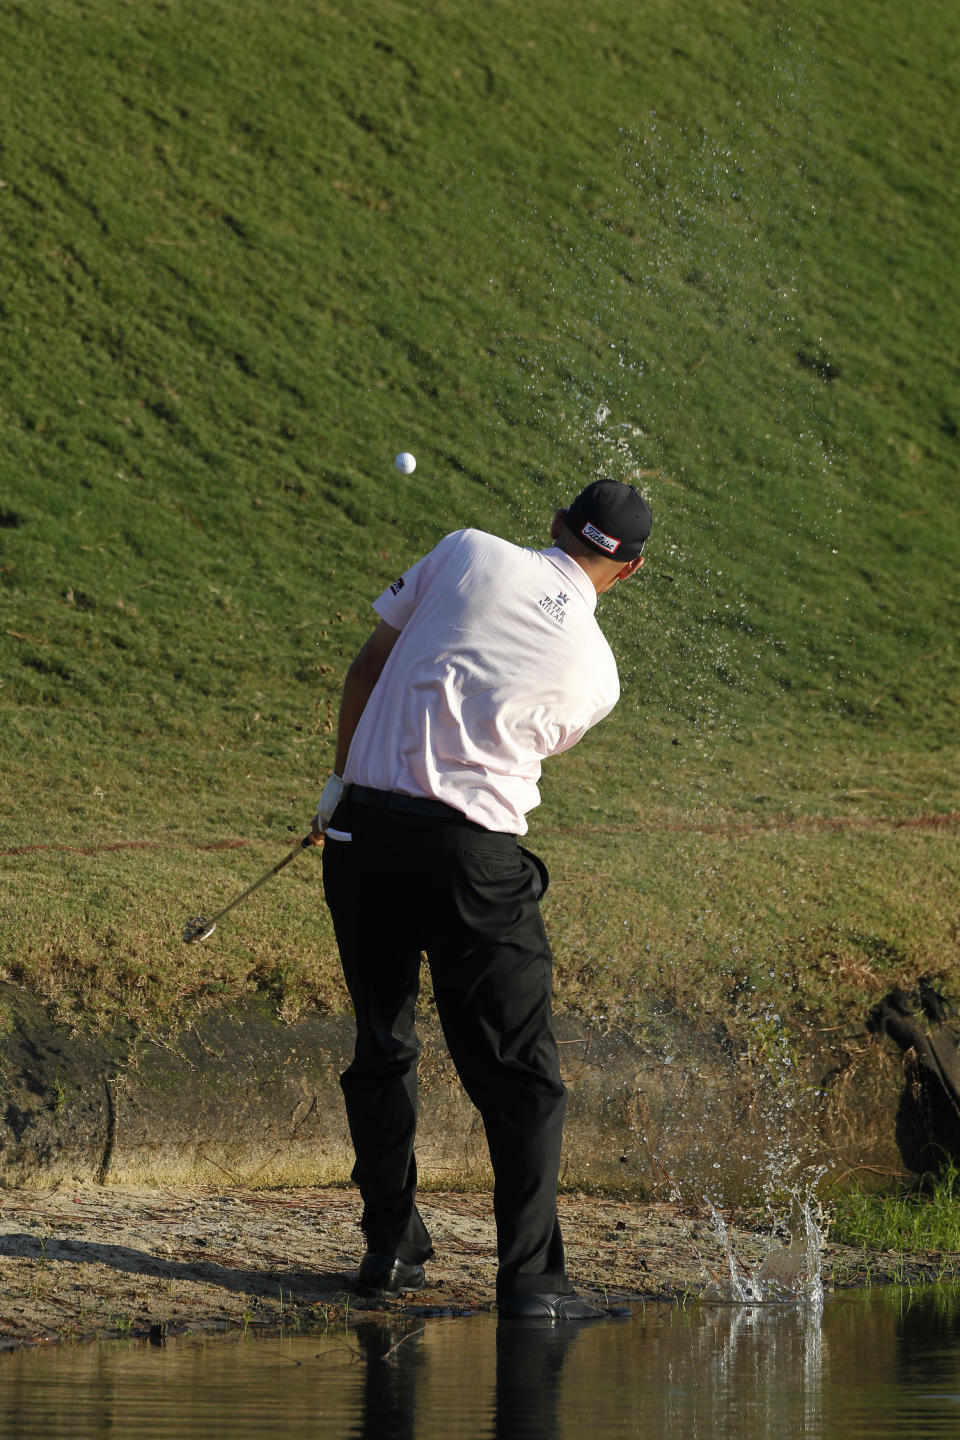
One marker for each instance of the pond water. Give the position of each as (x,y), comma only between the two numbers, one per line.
(885,1361)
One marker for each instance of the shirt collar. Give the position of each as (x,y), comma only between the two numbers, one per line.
(572,572)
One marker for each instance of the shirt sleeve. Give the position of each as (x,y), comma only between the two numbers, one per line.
(601,703)
(399,600)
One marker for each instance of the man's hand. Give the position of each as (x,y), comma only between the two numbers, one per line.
(329,800)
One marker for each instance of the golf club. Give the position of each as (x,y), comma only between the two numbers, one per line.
(200,927)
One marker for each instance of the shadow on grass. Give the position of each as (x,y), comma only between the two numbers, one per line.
(307,1284)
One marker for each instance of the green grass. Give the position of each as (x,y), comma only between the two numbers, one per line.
(928,1219)
(250,251)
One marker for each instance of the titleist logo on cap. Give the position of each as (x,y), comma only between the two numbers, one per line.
(606,542)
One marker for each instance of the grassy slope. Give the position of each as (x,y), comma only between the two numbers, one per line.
(250,251)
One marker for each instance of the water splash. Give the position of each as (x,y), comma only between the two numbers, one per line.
(789,1273)
(786,1268)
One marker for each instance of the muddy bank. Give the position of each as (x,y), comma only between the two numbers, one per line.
(78,1264)
(237,1098)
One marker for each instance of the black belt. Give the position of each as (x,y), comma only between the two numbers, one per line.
(409,804)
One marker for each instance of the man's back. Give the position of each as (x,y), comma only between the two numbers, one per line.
(499,664)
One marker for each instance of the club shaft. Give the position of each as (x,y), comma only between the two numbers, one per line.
(300,845)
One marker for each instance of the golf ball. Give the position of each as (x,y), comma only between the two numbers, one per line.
(405,463)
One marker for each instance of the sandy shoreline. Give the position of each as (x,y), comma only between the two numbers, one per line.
(106,1263)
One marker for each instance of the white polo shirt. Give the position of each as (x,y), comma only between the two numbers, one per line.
(499,664)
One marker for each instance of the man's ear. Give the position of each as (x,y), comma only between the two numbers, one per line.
(557,524)
(630,567)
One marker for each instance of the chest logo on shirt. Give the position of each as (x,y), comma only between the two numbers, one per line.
(554,606)
(397,586)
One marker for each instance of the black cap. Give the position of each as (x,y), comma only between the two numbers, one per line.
(612,518)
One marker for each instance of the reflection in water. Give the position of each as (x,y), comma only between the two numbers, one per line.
(529,1363)
(755,1354)
(928,1341)
(530,1360)
(393,1357)
(885,1362)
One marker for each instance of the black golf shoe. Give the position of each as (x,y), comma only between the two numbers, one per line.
(545,1305)
(387,1276)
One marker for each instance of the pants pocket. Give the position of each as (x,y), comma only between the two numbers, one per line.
(542,879)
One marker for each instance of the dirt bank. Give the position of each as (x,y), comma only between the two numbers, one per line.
(238,1098)
(80,1264)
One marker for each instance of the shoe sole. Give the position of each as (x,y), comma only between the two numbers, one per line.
(372,1292)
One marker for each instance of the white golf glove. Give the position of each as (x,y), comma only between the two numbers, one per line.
(329,800)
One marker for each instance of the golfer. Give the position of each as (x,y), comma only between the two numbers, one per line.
(487,659)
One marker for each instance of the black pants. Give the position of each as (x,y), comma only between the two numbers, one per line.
(405,884)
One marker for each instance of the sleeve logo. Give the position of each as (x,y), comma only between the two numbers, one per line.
(397,586)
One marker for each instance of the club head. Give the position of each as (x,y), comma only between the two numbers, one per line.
(197,929)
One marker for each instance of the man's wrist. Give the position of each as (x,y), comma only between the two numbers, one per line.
(330,797)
